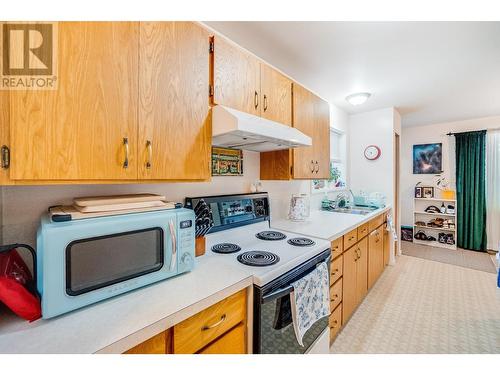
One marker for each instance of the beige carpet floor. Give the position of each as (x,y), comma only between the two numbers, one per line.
(423,306)
(459,257)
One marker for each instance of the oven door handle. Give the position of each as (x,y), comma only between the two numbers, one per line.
(174,244)
(277,294)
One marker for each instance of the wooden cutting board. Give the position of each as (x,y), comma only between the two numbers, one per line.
(117,199)
(68,213)
(118,206)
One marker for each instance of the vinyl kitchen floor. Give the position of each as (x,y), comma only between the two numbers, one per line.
(424,306)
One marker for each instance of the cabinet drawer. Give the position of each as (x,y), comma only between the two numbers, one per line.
(337,247)
(335,269)
(362,231)
(335,294)
(232,342)
(199,330)
(375,223)
(350,238)
(335,322)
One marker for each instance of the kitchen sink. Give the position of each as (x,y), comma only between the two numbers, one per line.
(353,210)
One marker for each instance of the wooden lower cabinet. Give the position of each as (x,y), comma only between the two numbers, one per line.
(375,255)
(349,277)
(335,322)
(219,329)
(159,344)
(201,329)
(387,246)
(335,294)
(355,278)
(335,270)
(362,270)
(233,342)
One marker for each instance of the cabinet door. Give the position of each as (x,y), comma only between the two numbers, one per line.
(159,344)
(387,247)
(349,280)
(236,77)
(303,120)
(233,342)
(321,140)
(174,126)
(77,131)
(362,270)
(276,95)
(4,130)
(375,256)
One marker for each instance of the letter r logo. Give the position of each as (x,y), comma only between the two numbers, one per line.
(27,49)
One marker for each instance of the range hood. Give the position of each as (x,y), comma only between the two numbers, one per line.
(240,130)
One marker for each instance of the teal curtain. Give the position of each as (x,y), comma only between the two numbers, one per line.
(470,155)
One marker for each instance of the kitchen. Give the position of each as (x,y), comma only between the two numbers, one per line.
(223,192)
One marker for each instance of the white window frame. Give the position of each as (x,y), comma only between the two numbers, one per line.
(342,159)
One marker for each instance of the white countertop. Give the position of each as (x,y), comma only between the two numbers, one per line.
(117,324)
(325,224)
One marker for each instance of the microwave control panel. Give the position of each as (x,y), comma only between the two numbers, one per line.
(186,242)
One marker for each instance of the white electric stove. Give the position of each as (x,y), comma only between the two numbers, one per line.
(279,253)
(239,234)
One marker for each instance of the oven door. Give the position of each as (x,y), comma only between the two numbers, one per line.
(277,335)
(273,326)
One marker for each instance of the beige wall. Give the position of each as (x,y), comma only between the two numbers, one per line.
(433,133)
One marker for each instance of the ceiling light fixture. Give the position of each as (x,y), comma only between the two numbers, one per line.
(358,98)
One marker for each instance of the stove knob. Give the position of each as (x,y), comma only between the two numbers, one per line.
(187,259)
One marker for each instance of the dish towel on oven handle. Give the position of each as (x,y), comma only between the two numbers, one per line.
(310,300)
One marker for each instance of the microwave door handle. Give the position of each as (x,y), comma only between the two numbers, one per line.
(174,245)
(277,294)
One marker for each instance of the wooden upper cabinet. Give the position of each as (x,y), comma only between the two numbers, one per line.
(174,125)
(321,139)
(236,77)
(276,95)
(303,120)
(77,131)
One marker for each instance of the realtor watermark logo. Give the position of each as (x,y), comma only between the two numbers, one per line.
(28,56)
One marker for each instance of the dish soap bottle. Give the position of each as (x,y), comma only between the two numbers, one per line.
(443,209)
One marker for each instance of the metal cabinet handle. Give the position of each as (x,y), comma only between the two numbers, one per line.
(335,296)
(351,238)
(358,251)
(265,102)
(317,167)
(222,318)
(149,146)
(335,271)
(125,144)
(173,261)
(312,166)
(256,100)
(335,322)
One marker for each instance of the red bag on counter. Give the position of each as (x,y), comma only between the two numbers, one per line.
(15,277)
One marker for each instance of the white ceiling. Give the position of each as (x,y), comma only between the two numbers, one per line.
(430,71)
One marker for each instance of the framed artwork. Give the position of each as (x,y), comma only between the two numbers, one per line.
(428,158)
(428,192)
(418,192)
(227,162)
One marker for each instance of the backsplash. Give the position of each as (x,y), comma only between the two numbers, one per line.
(22,206)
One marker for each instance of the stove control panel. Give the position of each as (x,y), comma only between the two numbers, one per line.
(228,211)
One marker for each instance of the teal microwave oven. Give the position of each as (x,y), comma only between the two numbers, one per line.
(81,262)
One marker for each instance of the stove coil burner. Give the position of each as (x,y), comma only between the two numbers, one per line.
(225,248)
(301,241)
(258,258)
(270,235)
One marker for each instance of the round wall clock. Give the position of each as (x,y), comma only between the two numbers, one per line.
(372,152)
